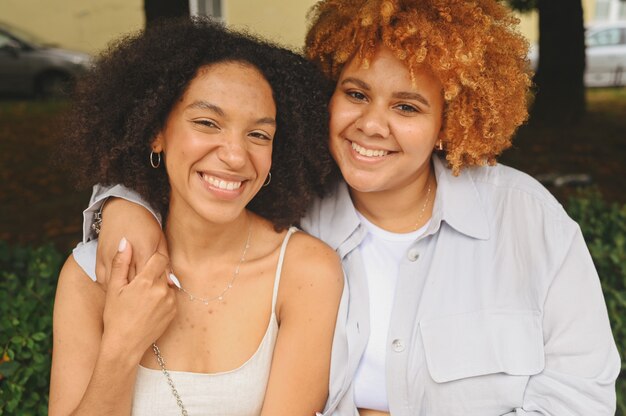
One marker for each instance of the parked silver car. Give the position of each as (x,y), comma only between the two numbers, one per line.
(30,66)
(605,52)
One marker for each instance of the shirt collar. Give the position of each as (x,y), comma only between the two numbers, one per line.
(458,202)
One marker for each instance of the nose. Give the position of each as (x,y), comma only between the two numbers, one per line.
(373,122)
(233,151)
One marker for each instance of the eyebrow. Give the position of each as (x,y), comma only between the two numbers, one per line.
(205,105)
(411,96)
(358,82)
(266,120)
(401,95)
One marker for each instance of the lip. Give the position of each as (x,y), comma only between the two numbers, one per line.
(221,193)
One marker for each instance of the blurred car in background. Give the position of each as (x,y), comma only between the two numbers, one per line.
(605,52)
(30,66)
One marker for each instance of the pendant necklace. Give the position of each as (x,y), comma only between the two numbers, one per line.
(204,301)
(219,297)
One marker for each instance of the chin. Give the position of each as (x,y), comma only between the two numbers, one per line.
(362,182)
(218,213)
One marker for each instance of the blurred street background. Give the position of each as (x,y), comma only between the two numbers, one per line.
(576,138)
(574,143)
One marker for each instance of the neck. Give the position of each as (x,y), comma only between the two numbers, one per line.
(194,241)
(399,210)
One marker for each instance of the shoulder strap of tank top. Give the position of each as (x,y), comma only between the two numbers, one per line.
(279,267)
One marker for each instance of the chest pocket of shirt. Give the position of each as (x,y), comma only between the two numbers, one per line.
(479,363)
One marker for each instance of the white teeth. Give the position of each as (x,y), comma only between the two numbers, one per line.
(220,183)
(368,152)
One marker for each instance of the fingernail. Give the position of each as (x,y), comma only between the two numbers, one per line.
(175,280)
(122,245)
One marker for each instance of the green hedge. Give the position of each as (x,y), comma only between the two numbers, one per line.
(28,280)
(27,285)
(604,228)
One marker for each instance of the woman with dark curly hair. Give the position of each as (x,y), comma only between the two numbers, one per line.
(208,126)
(471,292)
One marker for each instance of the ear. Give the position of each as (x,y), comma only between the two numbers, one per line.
(157,143)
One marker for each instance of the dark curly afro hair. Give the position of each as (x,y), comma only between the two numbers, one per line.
(472,47)
(123,103)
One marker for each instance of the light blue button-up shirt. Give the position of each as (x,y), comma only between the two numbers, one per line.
(498,308)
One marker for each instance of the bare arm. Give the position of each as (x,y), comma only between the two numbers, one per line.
(308,300)
(100,338)
(124,218)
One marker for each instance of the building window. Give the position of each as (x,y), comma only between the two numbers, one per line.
(206,8)
(622,10)
(610,10)
(602,9)
(608,37)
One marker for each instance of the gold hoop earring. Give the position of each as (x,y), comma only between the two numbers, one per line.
(440,145)
(158,160)
(269,179)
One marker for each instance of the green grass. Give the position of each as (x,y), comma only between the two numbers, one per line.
(39,204)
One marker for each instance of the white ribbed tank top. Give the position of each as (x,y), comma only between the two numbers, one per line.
(238,392)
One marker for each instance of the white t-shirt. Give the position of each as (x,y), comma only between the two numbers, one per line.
(381,251)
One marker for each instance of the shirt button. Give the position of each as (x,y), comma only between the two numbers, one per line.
(397,345)
(413,254)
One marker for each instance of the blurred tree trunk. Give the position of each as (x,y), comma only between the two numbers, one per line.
(560,89)
(560,97)
(158,9)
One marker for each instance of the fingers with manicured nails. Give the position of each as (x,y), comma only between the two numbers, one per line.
(121,264)
(137,313)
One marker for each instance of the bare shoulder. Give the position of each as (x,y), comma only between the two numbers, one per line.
(311,271)
(312,258)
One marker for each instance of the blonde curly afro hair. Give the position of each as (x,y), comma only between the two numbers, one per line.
(472,47)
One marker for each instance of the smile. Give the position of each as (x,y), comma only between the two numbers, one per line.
(369,152)
(220,183)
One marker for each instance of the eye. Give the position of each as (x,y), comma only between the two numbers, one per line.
(407,108)
(261,135)
(206,123)
(356,95)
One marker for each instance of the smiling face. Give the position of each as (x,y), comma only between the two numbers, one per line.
(383,125)
(217,142)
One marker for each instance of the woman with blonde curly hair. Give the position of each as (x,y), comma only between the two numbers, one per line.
(469,289)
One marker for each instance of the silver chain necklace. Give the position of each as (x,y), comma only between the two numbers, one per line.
(161,362)
(219,297)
